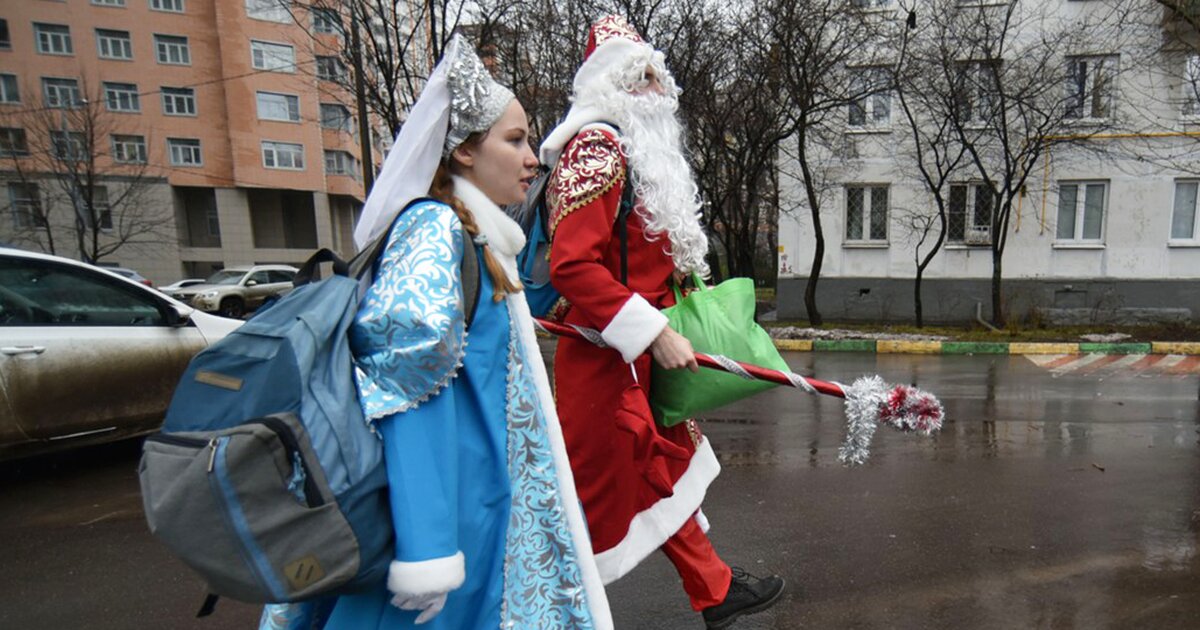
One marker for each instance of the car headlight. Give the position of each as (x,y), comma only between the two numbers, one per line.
(209,294)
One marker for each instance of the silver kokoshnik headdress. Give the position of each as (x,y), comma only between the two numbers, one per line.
(460,98)
(477,101)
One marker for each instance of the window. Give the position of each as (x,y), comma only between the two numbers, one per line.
(129,149)
(272,106)
(874,109)
(1191,86)
(870,4)
(173,6)
(61,92)
(276,276)
(340,163)
(101,210)
(970,214)
(172,49)
(5,38)
(1090,85)
(26,203)
(114,44)
(68,145)
(212,219)
(179,101)
(866,213)
(109,3)
(330,68)
(122,97)
(334,116)
(1183,217)
(1081,212)
(283,155)
(270,10)
(184,151)
(13,142)
(275,57)
(53,39)
(977,90)
(326,21)
(77,296)
(10,92)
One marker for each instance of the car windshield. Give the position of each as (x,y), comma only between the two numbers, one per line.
(226,277)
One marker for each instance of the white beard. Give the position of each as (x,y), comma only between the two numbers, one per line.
(652,139)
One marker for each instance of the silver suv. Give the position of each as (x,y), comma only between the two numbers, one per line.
(235,291)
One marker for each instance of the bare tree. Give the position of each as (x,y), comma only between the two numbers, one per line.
(936,153)
(81,160)
(1012,91)
(819,42)
(736,121)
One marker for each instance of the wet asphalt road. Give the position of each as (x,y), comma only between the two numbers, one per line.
(1070,501)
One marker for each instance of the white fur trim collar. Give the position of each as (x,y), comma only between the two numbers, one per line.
(505,237)
(503,234)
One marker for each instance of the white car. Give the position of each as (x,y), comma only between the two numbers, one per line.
(87,355)
(174,287)
(236,291)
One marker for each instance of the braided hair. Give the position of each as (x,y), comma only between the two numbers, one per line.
(442,189)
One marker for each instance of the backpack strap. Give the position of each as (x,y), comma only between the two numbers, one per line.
(470,278)
(622,219)
(363,264)
(626,201)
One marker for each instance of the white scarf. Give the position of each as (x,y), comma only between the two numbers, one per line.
(503,234)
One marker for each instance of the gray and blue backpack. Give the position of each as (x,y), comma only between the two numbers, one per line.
(266,479)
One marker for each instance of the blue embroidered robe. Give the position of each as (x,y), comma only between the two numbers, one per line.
(472,458)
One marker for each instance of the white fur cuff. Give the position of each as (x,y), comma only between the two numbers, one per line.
(634,328)
(427,577)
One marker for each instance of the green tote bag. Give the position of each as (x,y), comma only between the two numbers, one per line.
(717,320)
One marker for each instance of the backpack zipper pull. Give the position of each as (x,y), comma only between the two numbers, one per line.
(212,454)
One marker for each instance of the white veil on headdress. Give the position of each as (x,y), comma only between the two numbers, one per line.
(460,98)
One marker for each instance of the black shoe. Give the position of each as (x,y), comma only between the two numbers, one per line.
(747,595)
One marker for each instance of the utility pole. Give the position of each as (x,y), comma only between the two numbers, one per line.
(360,97)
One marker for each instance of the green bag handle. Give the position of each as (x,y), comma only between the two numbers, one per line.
(696,279)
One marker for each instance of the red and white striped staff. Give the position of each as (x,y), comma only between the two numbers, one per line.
(869,400)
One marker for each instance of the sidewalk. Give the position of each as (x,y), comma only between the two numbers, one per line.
(896,346)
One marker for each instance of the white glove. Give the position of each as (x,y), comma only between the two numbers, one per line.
(429,604)
(424,585)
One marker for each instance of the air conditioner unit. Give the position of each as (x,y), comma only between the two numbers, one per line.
(978,236)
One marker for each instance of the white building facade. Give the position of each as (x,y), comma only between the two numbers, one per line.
(1106,227)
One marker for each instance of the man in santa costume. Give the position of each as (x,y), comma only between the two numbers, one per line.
(641,484)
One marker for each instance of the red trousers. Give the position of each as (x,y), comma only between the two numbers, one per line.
(705,576)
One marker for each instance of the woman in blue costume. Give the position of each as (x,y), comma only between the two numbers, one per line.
(489,532)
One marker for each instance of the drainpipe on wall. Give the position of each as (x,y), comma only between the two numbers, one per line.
(979,317)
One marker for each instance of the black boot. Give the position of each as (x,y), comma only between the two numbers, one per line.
(747,595)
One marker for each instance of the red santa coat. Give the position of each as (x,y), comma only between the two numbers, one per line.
(639,482)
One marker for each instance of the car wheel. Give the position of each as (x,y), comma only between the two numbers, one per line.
(232,307)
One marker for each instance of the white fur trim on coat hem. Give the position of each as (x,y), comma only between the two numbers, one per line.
(427,577)
(634,328)
(593,586)
(651,527)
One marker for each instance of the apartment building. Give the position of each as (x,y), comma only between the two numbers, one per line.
(1104,228)
(230,117)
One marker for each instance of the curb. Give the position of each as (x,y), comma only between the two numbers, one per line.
(892,346)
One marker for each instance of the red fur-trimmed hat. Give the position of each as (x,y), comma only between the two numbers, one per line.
(608,28)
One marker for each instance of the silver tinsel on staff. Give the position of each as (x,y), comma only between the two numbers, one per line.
(869,401)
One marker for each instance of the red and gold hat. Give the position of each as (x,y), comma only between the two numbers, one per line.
(609,28)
